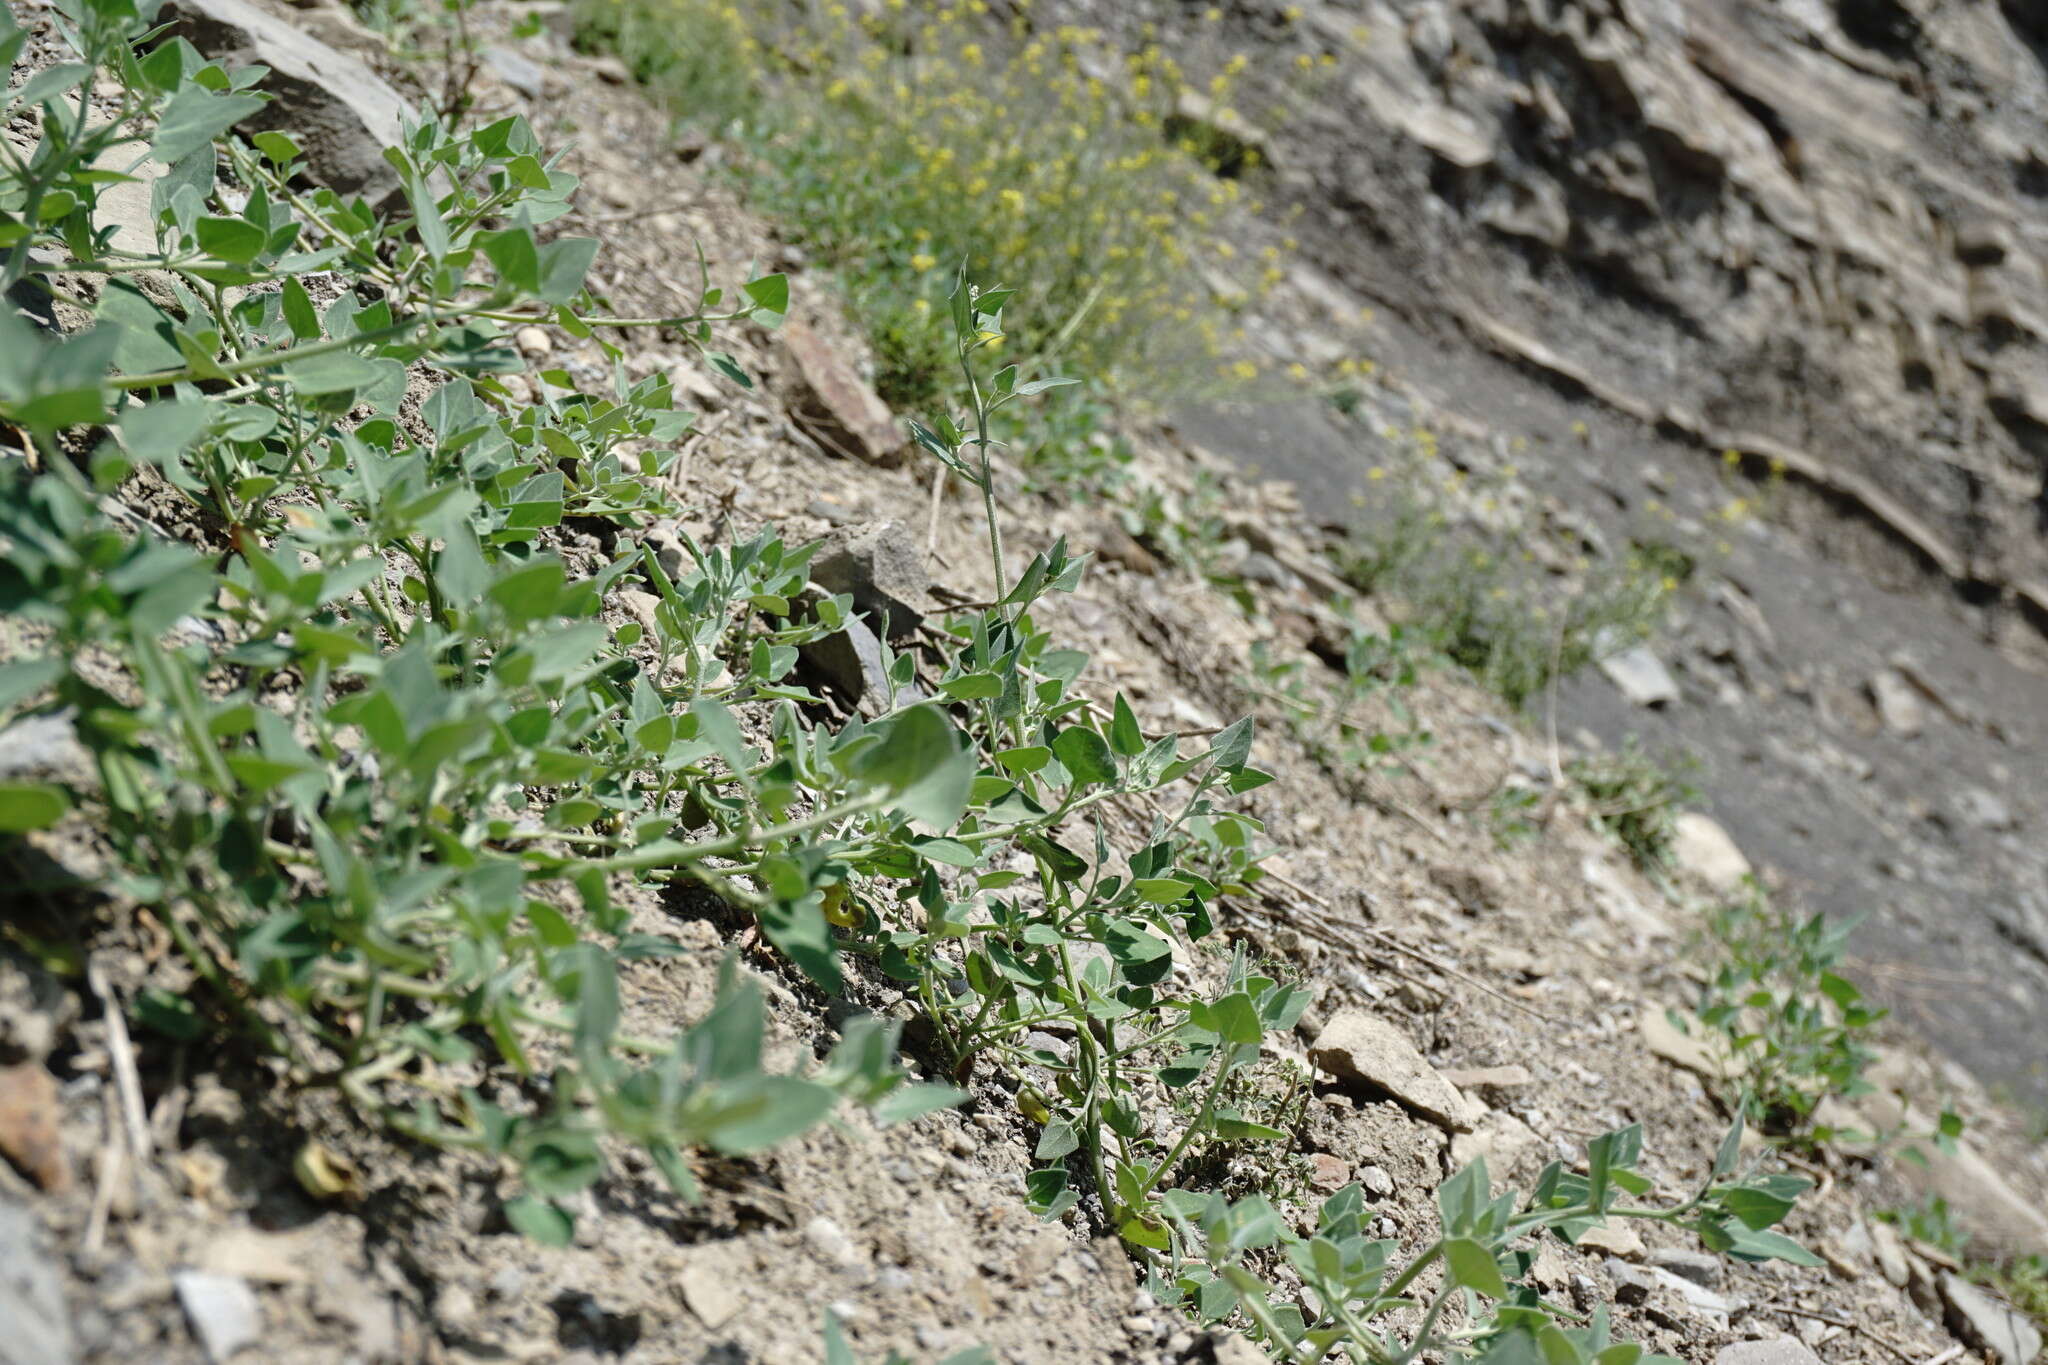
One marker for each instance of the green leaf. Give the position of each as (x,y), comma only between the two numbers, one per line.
(770,292)
(277,147)
(1461,1198)
(563,264)
(922,765)
(1473,1266)
(1161,890)
(427,218)
(596,996)
(798,929)
(973,687)
(1140,1233)
(1233,745)
(195,117)
(540,1219)
(231,239)
(50,82)
(26,677)
(174,1016)
(1236,1128)
(1025,390)
(751,1113)
(837,1352)
(1234,1019)
(1731,1147)
(915,1101)
(1058,1139)
(25,806)
(515,254)
(1085,754)
(1759,1244)
(1124,735)
(1760,1205)
(331,372)
(730,368)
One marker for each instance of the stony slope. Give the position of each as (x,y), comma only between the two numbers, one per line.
(1527,978)
(1626,238)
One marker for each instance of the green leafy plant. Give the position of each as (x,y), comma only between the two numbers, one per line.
(368,751)
(1509,812)
(1355,720)
(1791,1026)
(1360,1300)
(370,744)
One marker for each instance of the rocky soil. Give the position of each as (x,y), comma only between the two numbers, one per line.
(1469,999)
(1613,240)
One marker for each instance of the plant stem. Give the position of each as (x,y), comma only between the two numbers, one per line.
(988,490)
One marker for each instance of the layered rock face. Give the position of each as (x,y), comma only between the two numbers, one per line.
(1814,228)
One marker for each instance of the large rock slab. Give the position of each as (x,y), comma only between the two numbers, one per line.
(1987,1324)
(340,112)
(880,566)
(1355,1046)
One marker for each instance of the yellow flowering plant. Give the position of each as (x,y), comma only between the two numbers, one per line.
(913,139)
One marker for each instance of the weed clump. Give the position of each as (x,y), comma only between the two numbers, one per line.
(1792,1027)
(1636,799)
(1483,600)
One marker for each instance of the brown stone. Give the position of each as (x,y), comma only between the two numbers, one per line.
(835,405)
(30,1118)
(1328,1173)
(1356,1046)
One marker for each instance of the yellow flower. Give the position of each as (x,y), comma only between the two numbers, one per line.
(923,261)
(1375,473)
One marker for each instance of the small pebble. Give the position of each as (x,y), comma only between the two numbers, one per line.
(533,341)
(832,1242)
(222,1310)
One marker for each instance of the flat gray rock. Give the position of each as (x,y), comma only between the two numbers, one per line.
(37,1327)
(880,566)
(222,1310)
(1641,676)
(1703,1268)
(1356,1046)
(1703,848)
(1777,1351)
